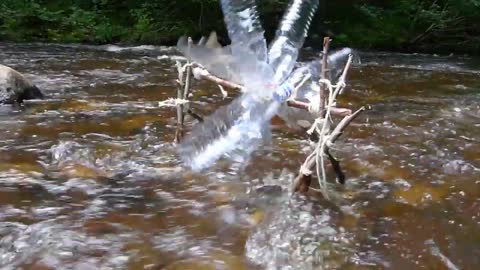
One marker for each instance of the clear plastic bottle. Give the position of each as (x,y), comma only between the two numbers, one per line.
(290,36)
(244,27)
(237,129)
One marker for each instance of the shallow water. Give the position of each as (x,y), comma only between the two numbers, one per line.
(89,178)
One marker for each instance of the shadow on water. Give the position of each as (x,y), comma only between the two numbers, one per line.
(89,178)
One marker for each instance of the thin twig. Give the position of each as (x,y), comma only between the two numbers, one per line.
(201,73)
(189,71)
(338,131)
(323,75)
(298,104)
(336,167)
(180,87)
(195,115)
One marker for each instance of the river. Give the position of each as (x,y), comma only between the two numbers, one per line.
(90,179)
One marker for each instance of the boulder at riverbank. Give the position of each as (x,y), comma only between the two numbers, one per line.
(15,88)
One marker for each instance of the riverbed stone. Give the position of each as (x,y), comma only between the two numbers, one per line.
(15,88)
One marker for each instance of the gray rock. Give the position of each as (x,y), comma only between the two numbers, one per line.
(15,88)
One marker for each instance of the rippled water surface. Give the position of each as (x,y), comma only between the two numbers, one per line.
(89,178)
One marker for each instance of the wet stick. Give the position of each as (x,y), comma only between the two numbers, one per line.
(302,183)
(323,119)
(323,74)
(180,87)
(324,142)
(183,90)
(292,102)
(188,71)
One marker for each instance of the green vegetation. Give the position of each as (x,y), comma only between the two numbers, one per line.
(105,21)
(425,25)
(438,25)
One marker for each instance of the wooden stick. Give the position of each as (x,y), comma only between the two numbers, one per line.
(304,106)
(344,73)
(195,115)
(323,74)
(201,73)
(336,167)
(180,87)
(338,131)
(297,104)
(302,182)
(182,93)
(189,71)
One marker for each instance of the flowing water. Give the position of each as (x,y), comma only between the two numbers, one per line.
(89,178)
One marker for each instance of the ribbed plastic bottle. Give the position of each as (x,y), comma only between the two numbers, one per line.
(290,36)
(244,27)
(237,129)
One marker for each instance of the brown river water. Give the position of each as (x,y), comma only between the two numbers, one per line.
(90,179)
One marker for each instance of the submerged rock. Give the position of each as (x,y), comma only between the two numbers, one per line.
(15,88)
